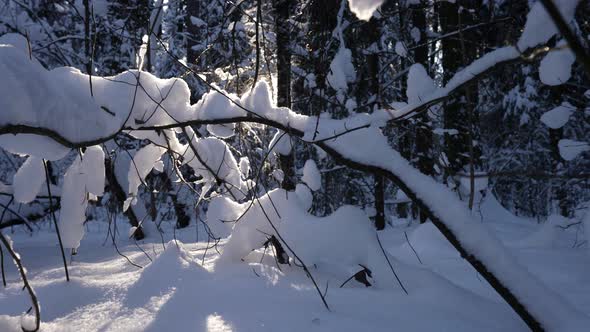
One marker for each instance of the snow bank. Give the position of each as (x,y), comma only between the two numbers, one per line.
(427,240)
(553,311)
(546,234)
(492,210)
(172,267)
(341,239)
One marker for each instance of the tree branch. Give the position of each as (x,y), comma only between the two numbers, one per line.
(571,38)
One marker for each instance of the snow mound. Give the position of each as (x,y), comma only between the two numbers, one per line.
(341,239)
(493,210)
(175,262)
(172,268)
(545,236)
(428,241)
(221,214)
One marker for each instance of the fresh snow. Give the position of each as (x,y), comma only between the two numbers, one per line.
(570,149)
(186,287)
(400,49)
(311,175)
(245,167)
(197,21)
(556,66)
(559,116)
(28,180)
(280,143)
(341,70)
(304,195)
(477,67)
(420,84)
(33,145)
(141,165)
(364,9)
(70,110)
(539,27)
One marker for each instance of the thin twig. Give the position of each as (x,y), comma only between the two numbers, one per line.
(27,286)
(412,247)
(390,266)
(61,247)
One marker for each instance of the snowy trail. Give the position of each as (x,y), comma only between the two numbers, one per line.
(174,292)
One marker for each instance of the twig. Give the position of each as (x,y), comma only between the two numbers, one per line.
(6,207)
(27,286)
(294,254)
(571,38)
(415,253)
(258,23)
(390,266)
(117,248)
(2,266)
(61,247)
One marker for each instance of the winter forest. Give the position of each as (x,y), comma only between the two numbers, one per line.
(294,165)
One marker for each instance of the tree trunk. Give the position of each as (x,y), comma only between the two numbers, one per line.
(192,30)
(282,15)
(459,114)
(424,153)
(372,60)
(87,37)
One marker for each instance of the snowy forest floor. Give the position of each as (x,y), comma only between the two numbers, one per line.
(183,289)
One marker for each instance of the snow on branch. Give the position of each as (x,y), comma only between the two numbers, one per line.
(364,9)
